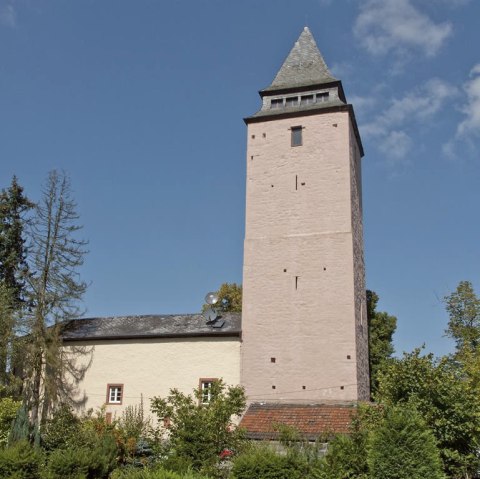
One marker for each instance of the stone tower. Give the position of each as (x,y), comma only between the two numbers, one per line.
(304,320)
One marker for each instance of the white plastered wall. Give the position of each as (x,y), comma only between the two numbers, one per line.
(151,367)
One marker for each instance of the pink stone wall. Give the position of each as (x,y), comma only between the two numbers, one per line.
(303,269)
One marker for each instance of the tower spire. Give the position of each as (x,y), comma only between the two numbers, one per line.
(304,66)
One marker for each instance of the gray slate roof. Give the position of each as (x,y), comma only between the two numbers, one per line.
(300,108)
(304,66)
(150,326)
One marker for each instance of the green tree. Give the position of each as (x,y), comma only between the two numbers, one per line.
(55,292)
(8,412)
(229,298)
(463,307)
(447,403)
(198,432)
(14,206)
(7,333)
(346,456)
(381,327)
(403,447)
(13,255)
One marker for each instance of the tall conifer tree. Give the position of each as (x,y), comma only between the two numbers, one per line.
(13,254)
(56,289)
(14,206)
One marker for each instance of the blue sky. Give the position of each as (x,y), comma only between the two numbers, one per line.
(142,104)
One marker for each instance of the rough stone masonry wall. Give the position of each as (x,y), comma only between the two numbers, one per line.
(361,323)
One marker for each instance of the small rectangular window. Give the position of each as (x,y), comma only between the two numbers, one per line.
(307,100)
(114,393)
(296,136)
(206,385)
(322,96)
(276,103)
(292,101)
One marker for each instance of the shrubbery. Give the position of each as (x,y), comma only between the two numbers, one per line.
(264,463)
(402,447)
(385,442)
(20,461)
(8,412)
(129,473)
(80,463)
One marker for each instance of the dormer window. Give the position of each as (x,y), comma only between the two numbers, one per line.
(276,103)
(322,96)
(292,101)
(307,100)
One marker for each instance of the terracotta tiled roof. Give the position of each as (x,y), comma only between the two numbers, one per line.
(311,420)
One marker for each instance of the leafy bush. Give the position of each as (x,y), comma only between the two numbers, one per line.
(68,464)
(447,403)
(262,462)
(130,473)
(133,432)
(403,447)
(8,412)
(81,462)
(62,430)
(199,432)
(20,461)
(346,457)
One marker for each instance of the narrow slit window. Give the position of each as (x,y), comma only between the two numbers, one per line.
(296,282)
(296,182)
(296,136)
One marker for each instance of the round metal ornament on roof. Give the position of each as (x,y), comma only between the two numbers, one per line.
(211,298)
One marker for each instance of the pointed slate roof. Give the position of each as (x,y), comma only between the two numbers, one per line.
(304,66)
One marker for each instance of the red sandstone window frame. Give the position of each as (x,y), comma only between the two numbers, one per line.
(110,387)
(205,395)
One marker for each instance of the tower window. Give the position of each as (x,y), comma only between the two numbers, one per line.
(276,103)
(307,100)
(296,136)
(292,101)
(322,96)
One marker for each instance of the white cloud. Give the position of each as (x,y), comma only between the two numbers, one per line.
(390,129)
(471,124)
(418,105)
(363,104)
(469,128)
(8,16)
(448,3)
(385,26)
(395,146)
